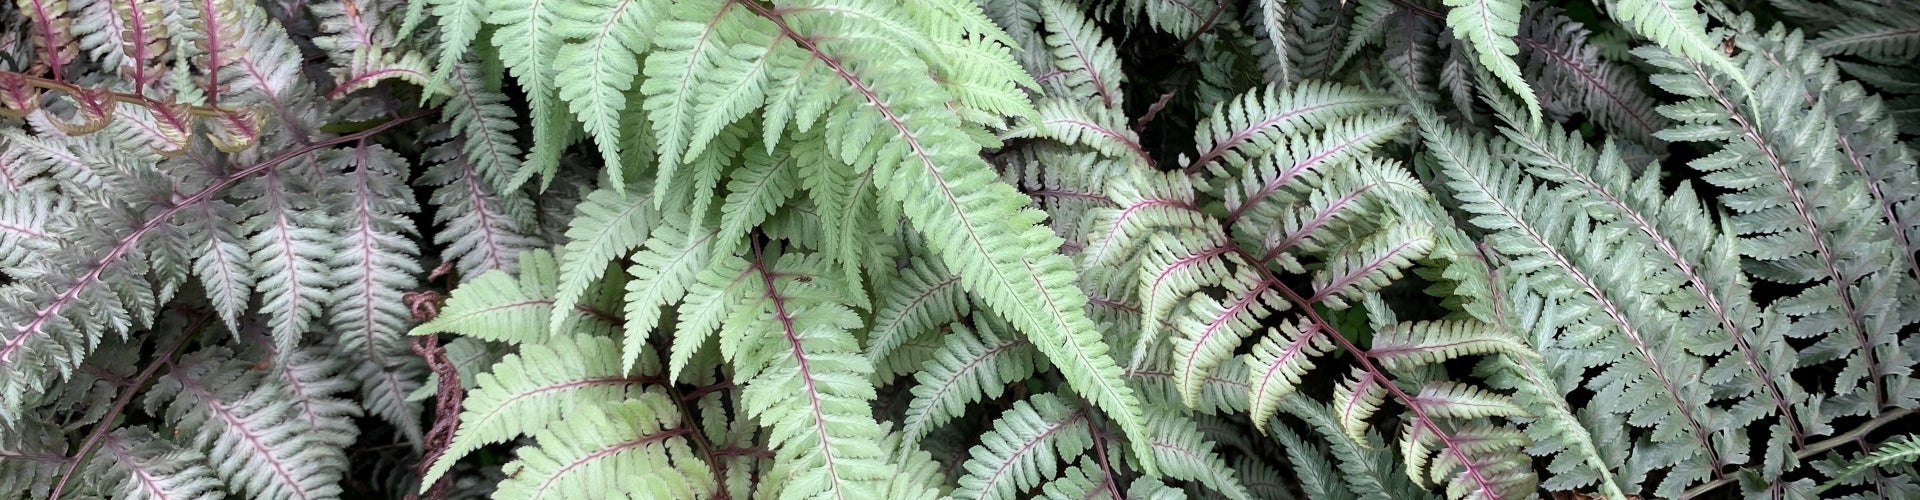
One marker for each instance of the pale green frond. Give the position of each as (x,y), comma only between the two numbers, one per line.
(720,289)
(1210,329)
(1495,459)
(1082,481)
(977,225)
(499,307)
(918,300)
(1403,346)
(974,364)
(1148,488)
(1024,447)
(1489,26)
(1461,401)
(1172,268)
(459,23)
(692,41)
(1258,122)
(1678,27)
(1145,202)
(525,392)
(1901,450)
(916,475)
(1356,399)
(1087,64)
(1078,123)
(611,223)
(593,74)
(1370,264)
(805,379)
(661,274)
(633,446)
(528,39)
(1184,454)
(758,188)
(1276,365)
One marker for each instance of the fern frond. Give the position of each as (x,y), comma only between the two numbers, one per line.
(252,433)
(287,250)
(1368,469)
(1186,455)
(611,223)
(975,364)
(1258,122)
(1786,172)
(975,224)
(1370,264)
(1020,451)
(675,253)
(524,392)
(1355,400)
(1572,77)
(758,188)
(594,74)
(1885,33)
(919,299)
(1489,27)
(1077,123)
(499,307)
(1276,364)
(805,380)
(1902,450)
(223,267)
(1678,27)
(141,466)
(377,261)
(528,38)
(636,447)
(694,42)
(1645,353)
(1494,458)
(459,23)
(1086,64)
(1082,481)
(1311,466)
(1406,345)
(481,229)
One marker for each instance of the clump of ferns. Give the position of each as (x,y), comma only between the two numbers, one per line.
(1236,275)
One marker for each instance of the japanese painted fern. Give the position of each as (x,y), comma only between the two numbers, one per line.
(957,249)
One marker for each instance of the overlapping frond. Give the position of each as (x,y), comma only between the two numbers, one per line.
(141,465)
(638,447)
(525,392)
(974,364)
(1021,450)
(254,436)
(1489,27)
(806,380)
(500,307)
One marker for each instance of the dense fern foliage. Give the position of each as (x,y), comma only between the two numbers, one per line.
(959,249)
